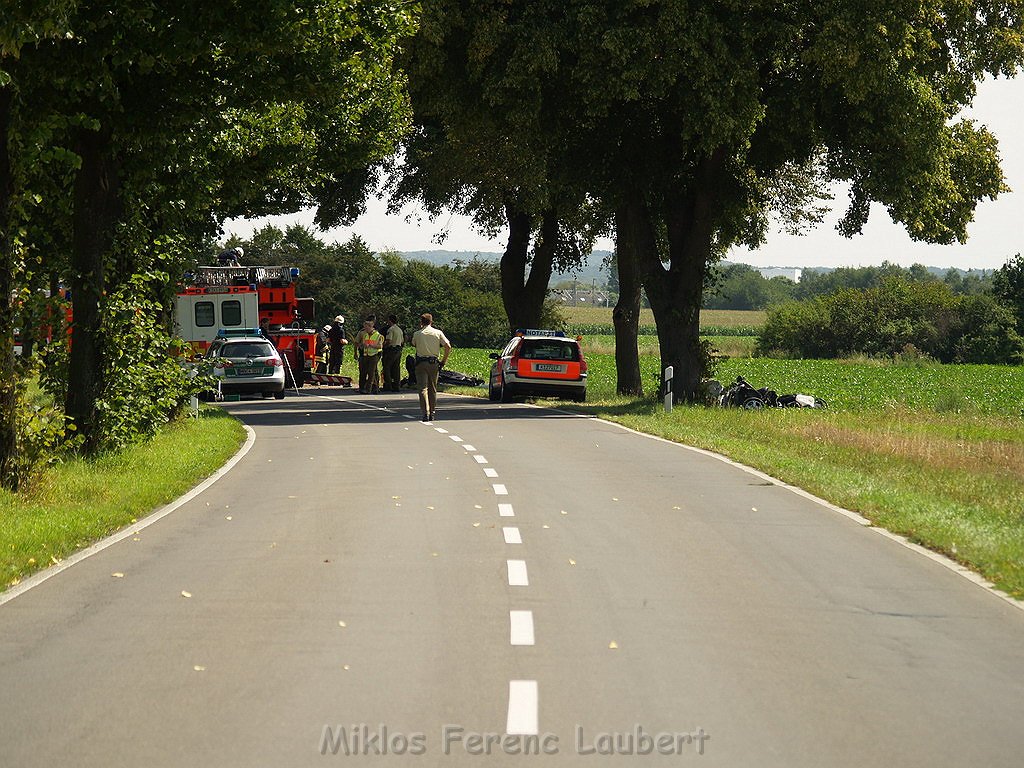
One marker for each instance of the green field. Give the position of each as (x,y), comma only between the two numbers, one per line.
(723,318)
(934,452)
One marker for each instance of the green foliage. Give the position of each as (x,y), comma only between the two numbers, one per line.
(145,384)
(739,286)
(351,280)
(1008,287)
(884,320)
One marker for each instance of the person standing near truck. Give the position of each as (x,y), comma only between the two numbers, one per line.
(429,343)
(394,340)
(369,343)
(337,341)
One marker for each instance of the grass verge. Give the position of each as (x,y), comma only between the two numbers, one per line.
(79,502)
(889,447)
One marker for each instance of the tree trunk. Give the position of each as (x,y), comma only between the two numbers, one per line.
(626,315)
(676,293)
(96,199)
(8,268)
(524,298)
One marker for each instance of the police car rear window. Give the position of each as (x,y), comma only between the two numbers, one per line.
(247,349)
(549,349)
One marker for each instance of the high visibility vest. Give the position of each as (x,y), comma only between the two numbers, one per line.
(372,343)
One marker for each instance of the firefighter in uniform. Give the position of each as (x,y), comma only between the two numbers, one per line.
(337,340)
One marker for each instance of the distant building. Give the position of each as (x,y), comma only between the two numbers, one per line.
(793,273)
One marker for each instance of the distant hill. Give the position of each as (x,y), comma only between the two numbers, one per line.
(592,270)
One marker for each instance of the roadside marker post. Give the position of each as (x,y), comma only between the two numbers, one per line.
(669,373)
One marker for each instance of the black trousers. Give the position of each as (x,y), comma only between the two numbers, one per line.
(392,368)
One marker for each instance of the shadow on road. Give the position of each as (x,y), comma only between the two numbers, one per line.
(346,406)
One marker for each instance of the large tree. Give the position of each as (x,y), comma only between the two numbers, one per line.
(710,116)
(486,141)
(182,113)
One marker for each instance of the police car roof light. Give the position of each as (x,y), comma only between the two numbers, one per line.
(231,333)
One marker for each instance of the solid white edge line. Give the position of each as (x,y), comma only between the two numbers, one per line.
(936,557)
(124,533)
(511,534)
(480,459)
(517,576)
(521,627)
(505,510)
(490,472)
(500,490)
(522,717)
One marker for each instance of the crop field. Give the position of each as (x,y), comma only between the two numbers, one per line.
(846,385)
(724,318)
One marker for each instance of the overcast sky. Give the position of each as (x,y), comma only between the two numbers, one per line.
(995,234)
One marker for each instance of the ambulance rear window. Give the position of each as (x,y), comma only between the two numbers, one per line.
(231,313)
(204,314)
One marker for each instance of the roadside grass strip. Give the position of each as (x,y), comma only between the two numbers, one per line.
(79,502)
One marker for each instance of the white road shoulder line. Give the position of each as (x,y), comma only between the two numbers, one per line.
(522,708)
(517,573)
(131,530)
(512,535)
(500,490)
(521,627)
(505,510)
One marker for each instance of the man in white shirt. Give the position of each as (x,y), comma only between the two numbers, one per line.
(394,340)
(429,343)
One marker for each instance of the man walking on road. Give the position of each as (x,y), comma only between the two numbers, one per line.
(429,342)
(369,343)
(394,340)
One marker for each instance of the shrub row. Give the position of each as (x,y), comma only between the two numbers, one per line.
(896,317)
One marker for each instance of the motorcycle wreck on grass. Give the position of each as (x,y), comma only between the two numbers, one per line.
(741,394)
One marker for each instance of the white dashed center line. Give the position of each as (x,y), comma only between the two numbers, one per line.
(480,459)
(490,471)
(442,430)
(469,447)
(517,573)
(512,535)
(505,510)
(522,708)
(500,490)
(455,438)
(521,627)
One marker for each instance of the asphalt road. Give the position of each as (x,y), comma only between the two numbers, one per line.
(363,587)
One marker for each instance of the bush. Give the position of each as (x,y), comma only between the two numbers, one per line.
(145,383)
(887,319)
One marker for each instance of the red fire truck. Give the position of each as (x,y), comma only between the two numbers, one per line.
(233,300)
